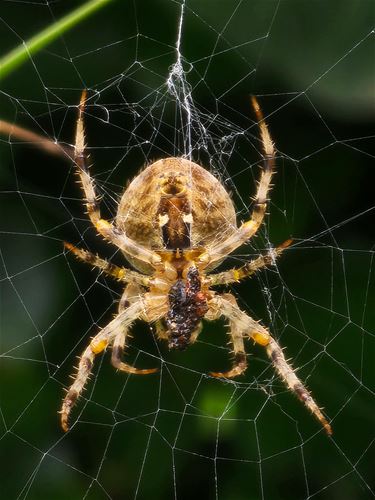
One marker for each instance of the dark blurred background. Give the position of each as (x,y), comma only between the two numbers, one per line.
(180,433)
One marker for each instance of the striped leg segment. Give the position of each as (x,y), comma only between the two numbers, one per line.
(131,294)
(237,340)
(83,372)
(119,273)
(249,228)
(97,345)
(105,228)
(261,336)
(288,375)
(248,269)
(117,354)
(239,359)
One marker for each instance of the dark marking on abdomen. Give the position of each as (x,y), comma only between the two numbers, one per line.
(175,230)
(174,212)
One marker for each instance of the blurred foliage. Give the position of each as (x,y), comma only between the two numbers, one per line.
(312,64)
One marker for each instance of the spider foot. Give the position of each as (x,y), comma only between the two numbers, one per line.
(238,368)
(124,367)
(116,360)
(68,403)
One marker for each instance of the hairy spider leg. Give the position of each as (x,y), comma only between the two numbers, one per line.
(261,336)
(113,331)
(118,347)
(286,373)
(250,227)
(131,294)
(104,227)
(248,269)
(119,273)
(236,333)
(97,345)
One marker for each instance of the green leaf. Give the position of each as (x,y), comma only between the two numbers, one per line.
(21,53)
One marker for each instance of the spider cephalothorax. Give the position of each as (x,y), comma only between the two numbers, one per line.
(175,223)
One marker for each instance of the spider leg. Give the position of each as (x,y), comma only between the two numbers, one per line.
(237,335)
(117,353)
(130,295)
(104,227)
(287,374)
(248,269)
(250,227)
(119,273)
(260,335)
(97,345)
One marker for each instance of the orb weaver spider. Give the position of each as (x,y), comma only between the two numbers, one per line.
(175,224)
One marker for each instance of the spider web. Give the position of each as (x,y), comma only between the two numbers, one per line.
(169,79)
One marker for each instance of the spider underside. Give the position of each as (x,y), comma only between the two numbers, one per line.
(175,223)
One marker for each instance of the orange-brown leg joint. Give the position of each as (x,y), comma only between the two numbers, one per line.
(260,338)
(98,346)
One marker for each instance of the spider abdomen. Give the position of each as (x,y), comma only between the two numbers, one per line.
(175,203)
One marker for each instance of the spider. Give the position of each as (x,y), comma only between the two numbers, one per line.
(175,224)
